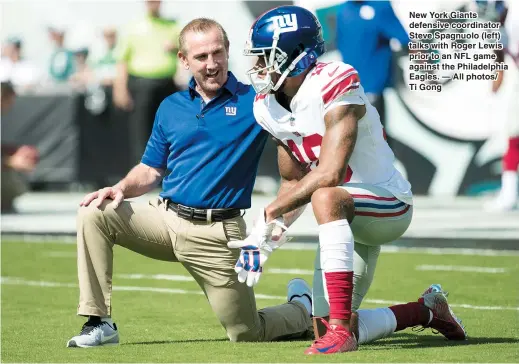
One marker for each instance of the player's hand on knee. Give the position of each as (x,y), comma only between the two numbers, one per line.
(112,193)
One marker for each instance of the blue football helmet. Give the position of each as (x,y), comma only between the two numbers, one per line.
(290,39)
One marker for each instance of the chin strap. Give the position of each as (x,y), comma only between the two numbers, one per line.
(288,70)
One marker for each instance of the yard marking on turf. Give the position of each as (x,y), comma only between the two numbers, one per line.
(23,282)
(63,254)
(451,251)
(459,268)
(293,245)
(159,277)
(184,278)
(291,271)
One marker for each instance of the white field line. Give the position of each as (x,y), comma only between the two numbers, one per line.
(385,249)
(459,268)
(451,251)
(24,282)
(159,277)
(61,254)
(293,245)
(184,278)
(305,272)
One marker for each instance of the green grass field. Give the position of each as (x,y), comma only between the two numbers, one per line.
(178,326)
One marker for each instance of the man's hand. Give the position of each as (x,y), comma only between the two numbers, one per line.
(112,193)
(256,249)
(24,159)
(496,85)
(123,99)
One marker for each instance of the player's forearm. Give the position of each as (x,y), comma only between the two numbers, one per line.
(140,180)
(301,193)
(290,217)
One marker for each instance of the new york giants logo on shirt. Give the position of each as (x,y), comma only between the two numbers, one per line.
(285,22)
(230,110)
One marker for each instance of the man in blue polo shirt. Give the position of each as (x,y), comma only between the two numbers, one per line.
(364,29)
(208,141)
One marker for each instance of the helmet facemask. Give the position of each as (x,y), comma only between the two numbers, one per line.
(275,58)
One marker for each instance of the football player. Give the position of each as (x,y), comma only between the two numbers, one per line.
(332,153)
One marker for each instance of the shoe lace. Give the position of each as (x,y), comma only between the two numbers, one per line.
(422,328)
(329,333)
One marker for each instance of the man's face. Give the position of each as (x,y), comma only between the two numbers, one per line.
(9,50)
(110,38)
(153,6)
(261,65)
(207,59)
(56,37)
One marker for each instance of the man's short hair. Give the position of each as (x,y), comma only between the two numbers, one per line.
(15,41)
(201,25)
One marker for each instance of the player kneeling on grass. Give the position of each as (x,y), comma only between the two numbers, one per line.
(332,153)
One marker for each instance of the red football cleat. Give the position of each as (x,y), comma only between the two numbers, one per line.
(444,321)
(336,340)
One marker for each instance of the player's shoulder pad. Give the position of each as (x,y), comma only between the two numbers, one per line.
(335,79)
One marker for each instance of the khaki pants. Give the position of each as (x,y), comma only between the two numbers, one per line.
(153,231)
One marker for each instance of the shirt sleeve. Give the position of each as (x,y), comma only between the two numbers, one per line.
(390,25)
(157,149)
(123,49)
(340,85)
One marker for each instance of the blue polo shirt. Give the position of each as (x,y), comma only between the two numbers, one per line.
(364,29)
(210,151)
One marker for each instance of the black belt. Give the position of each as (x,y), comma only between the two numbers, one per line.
(209,215)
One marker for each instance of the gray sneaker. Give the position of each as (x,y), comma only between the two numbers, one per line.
(95,334)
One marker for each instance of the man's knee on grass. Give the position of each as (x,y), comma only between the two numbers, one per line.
(242,334)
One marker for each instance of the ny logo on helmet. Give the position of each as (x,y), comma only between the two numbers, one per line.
(285,22)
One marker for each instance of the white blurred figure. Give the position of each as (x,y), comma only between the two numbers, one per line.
(105,64)
(14,68)
(61,64)
(83,75)
(507,197)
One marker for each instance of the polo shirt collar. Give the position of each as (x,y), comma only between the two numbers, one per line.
(230,85)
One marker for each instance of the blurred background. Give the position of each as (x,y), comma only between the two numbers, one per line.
(83,124)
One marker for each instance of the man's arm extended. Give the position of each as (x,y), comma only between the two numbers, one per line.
(336,148)
(122,97)
(141,179)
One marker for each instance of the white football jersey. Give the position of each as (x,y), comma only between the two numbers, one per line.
(327,86)
(512,30)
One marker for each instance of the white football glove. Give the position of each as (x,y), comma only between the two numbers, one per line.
(256,248)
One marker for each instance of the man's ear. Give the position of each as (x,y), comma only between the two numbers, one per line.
(183,59)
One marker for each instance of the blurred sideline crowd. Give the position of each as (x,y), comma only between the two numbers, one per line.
(141,70)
